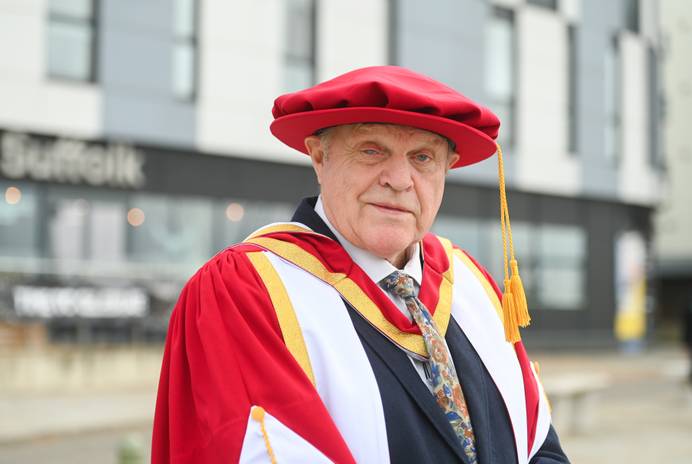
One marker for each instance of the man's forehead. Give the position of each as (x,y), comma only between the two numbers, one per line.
(374,129)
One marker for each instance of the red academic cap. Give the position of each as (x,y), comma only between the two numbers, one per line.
(387,94)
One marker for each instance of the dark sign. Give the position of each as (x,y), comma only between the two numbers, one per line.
(70,161)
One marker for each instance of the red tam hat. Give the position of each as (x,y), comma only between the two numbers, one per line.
(392,95)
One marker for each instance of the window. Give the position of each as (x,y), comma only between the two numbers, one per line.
(632,15)
(500,70)
(82,226)
(465,232)
(550,4)
(71,39)
(611,71)
(572,79)
(68,229)
(184,80)
(655,109)
(559,271)
(551,257)
(18,211)
(177,231)
(236,219)
(393,19)
(299,52)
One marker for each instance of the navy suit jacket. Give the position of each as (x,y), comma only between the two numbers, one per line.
(417,430)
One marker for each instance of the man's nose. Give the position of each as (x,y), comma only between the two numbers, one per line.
(396,173)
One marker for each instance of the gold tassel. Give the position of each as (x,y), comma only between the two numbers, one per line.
(514,307)
(509,313)
(517,287)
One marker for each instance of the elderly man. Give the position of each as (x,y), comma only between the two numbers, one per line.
(352,334)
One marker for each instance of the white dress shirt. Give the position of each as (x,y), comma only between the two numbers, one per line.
(377,269)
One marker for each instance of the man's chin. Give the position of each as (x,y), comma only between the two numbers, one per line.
(388,244)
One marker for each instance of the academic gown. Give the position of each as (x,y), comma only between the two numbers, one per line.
(226,353)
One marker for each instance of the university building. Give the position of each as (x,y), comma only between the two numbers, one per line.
(134,145)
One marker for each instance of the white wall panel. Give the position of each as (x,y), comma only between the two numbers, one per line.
(571,10)
(542,161)
(240,72)
(674,218)
(638,182)
(352,34)
(30,101)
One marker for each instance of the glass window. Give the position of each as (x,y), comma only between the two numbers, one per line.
(299,52)
(82,225)
(560,267)
(79,9)
(466,233)
(611,84)
(483,240)
(551,262)
(550,257)
(184,79)
(68,221)
(524,238)
(18,216)
(522,234)
(170,230)
(550,4)
(632,15)
(500,70)
(238,218)
(71,39)
(107,231)
(655,112)
(572,88)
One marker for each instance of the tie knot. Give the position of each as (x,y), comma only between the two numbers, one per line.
(399,283)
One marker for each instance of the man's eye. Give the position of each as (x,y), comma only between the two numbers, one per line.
(423,157)
(371,151)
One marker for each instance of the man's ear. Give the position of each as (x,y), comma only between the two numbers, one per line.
(452,160)
(315,149)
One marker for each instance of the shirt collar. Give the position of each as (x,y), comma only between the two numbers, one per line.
(375,267)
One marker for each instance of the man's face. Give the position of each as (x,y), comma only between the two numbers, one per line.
(381,184)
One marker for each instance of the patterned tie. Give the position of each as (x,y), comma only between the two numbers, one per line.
(445,382)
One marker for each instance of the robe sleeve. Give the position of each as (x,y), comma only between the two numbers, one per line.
(224,353)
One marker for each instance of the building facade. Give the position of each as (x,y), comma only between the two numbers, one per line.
(673,269)
(135,145)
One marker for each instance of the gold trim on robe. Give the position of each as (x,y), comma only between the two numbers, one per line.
(351,291)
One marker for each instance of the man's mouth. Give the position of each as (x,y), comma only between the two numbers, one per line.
(390,208)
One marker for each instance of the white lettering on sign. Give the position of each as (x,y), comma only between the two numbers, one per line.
(71,161)
(49,302)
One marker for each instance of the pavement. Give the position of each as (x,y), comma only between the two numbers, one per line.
(28,417)
(639,411)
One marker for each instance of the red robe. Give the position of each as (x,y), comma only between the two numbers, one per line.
(224,353)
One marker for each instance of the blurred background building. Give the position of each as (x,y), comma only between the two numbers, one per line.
(134,145)
(673,244)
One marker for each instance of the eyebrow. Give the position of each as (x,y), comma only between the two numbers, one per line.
(431,143)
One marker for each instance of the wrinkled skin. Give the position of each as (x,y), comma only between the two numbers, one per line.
(381,184)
